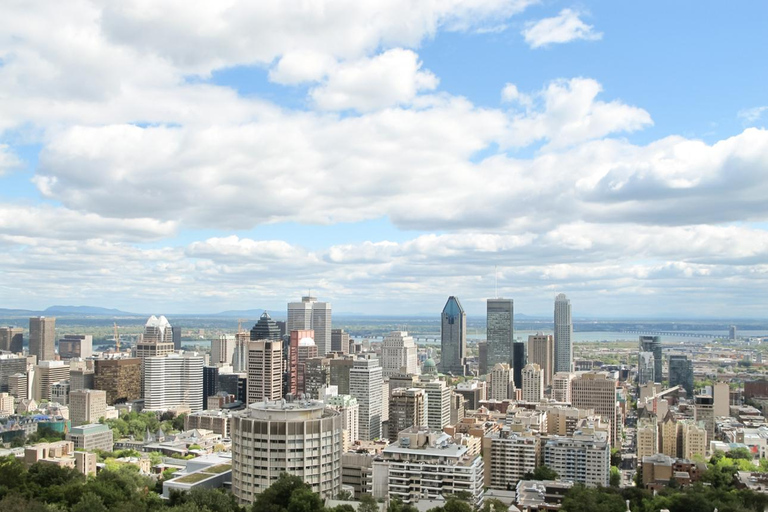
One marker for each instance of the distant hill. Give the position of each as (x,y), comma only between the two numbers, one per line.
(85,310)
(243,313)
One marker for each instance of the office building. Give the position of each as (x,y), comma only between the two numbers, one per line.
(299,438)
(210,383)
(339,341)
(541,351)
(704,414)
(438,402)
(500,318)
(6,404)
(721,393)
(120,378)
(427,465)
(482,357)
(407,408)
(473,392)
(732,333)
(520,357)
(584,458)
(561,387)
(296,338)
(76,346)
(310,314)
(305,350)
(47,373)
(11,364)
(42,338)
(173,381)
(240,356)
(316,377)
(399,354)
(11,339)
(265,371)
(563,336)
(653,344)
(500,382)
(670,436)
(87,406)
(646,368)
(157,340)
(366,385)
(91,437)
(508,456)
(222,350)
(681,373)
(176,337)
(349,410)
(60,392)
(598,391)
(340,368)
(533,383)
(265,329)
(19,384)
(453,338)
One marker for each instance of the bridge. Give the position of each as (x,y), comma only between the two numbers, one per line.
(681,334)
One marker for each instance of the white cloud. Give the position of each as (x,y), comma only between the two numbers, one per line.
(563,28)
(570,114)
(391,78)
(8,160)
(750,115)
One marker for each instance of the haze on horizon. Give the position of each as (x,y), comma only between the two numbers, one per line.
(209,157)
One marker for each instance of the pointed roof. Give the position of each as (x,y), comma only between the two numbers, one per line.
(453,307)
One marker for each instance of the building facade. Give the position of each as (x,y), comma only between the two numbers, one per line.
(453,338)
(42,338)
(500,331)
(87,406)
(311,314)
(583,458)
(120,378)
(399,354)
(533,383)
(11,339)
(299,438)
(172,381)
(541,350)
(366,386)
(407,408)
(265,371)
(563,337)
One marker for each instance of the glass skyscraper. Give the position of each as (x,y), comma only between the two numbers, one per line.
(453,338)
(563,334)
(500,319)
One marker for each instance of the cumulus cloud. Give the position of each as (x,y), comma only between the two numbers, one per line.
(563,28)
(391,78)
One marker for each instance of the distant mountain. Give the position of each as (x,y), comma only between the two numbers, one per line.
(84,310)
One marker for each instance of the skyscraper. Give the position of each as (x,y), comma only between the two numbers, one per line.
(541,351)
(681,373)
(173,380)
(520,358)
(365,384)
(453,338)
(42,338)
(222,350)
(339,341)
(120,378)
(157,339)
(563,334)
(407,408)
(296,338)
(500,331)
(265,329)
(11,339)
(399,354)
(653,344)
(176,337)
(533,383)
(310,314)
(265,370)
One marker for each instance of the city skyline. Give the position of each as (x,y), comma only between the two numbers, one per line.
(396,150)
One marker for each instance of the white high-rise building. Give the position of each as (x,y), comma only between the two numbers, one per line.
(500,381)
(438,402)
(173,380)
(312,315)
(350,418)
(366,385)
(87,406)
(222,350)
(561,387)
(563,334)
(399,354)
(533,383)
(584,458)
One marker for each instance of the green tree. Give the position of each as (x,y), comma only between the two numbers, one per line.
(615,479)
(456,505)
(344,495)
(615,457)
(542,472)
(493,505)
(740,453)
(396,505)
(304,500)
(368,504)
(277,496)
(89,503)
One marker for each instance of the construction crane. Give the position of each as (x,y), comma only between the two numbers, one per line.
(117,339)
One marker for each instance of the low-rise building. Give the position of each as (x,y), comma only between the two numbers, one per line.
(91,437)
(427,465)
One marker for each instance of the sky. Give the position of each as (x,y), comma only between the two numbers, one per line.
(190,157)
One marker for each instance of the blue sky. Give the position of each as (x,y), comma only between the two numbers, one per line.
(386,155)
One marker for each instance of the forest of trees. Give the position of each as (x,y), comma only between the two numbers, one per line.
(49,488)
